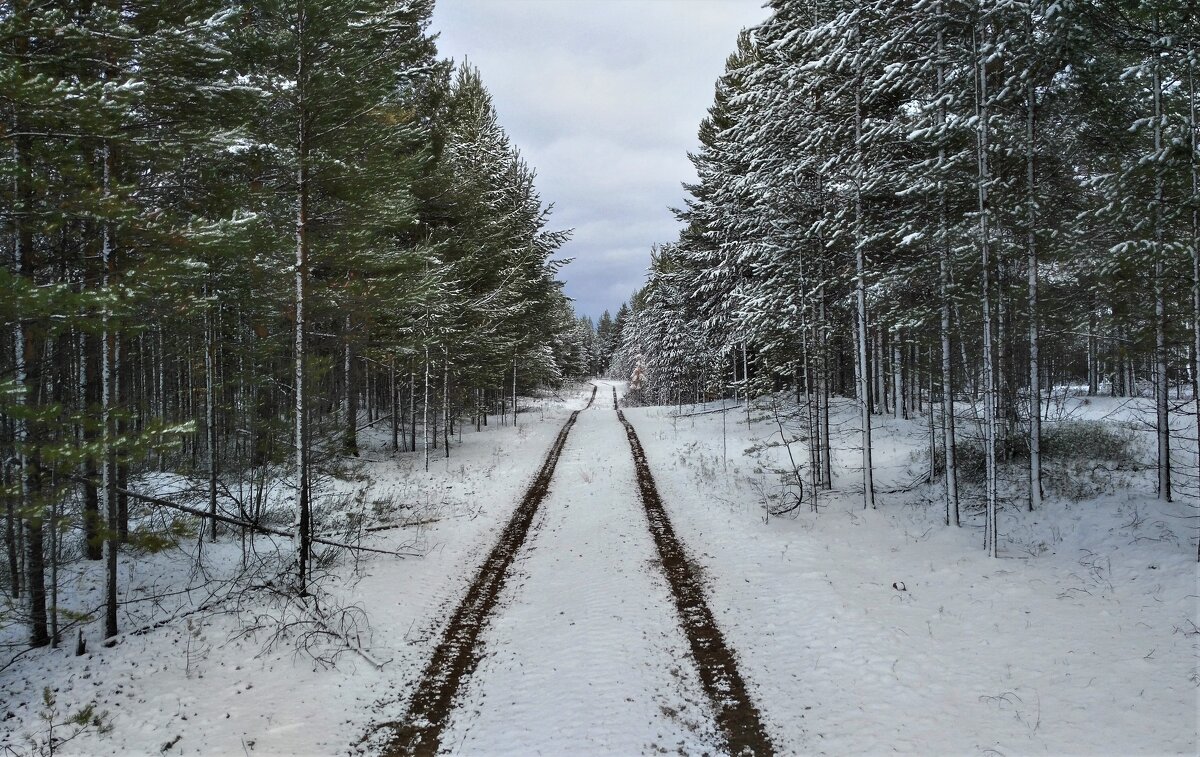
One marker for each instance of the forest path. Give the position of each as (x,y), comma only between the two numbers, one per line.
(598,640)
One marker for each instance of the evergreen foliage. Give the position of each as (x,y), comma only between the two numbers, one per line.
(233,229)
(910,202)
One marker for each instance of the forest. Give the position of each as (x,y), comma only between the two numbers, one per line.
(234,234)
(312,440)
(973,207)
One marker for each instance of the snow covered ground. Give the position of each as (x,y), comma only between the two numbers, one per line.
(196,684)
(881,631)
(586,654)
(857,632)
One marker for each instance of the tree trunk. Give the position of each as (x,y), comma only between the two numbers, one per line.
(899,409)
(303,504)
(210,417)
(394,394)
(861,366)
(446,405)
(120,452)
(989,392)
(350,394)
(107,472)
(11,526)
(412,411)
(93,540)
(425,411)
(1035,384)
(1163,420)
(1195,243)
(879,395)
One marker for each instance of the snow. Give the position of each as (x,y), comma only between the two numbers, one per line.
(881,631)
(857,631)
(586,655)
(229,695)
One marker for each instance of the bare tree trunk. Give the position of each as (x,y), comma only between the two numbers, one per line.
(425,411)
(861,366)
(350,394)
(107,482)
(121,452)
(26,365)
(899,409)
(412,410)
(746,379)
(879,395)
(304,527)
(989,391)
(1195,241)
(1035,384)
(933,436)
(395,404)
(92,520)
(210,417)
(1161,389)
(826,444)
(11,526)
(950,489)
(446,402)
(1093,355)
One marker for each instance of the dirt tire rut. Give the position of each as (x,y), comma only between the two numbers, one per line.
(737,716)
(458,653)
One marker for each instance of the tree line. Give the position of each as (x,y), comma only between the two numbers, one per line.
(235,234)
(929,203)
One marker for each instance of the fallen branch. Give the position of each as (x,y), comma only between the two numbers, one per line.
(916,483)
(247,524)
(724,409)
(372,423)
(385,527)
(353,645)
(409,524)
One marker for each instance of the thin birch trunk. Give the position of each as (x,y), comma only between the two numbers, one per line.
(989,398)
(860,295)
(304,526)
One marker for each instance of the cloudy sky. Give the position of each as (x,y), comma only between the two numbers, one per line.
(603,97)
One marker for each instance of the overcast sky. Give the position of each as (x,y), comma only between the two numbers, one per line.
(603,97)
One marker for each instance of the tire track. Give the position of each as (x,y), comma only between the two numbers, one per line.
(458,653)
(737,717)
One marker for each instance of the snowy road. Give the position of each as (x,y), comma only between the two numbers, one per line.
(585,653)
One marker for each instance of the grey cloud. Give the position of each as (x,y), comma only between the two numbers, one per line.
(603,98)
